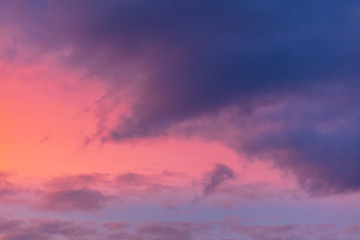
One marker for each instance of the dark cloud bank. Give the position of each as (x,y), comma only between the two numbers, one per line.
(290,69)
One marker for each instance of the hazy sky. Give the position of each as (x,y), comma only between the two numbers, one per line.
(179,120)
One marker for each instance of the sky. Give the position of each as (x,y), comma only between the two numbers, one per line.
(179,120)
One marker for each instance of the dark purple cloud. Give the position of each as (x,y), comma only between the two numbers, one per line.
(82,199)
(315,138)
(184,60)
(220,174)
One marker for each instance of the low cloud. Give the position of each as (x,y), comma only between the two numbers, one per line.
(165,231)
(45,229)
(234,230)
(78,181)
(7,187)
(51,229)
(144,183)
(84,199)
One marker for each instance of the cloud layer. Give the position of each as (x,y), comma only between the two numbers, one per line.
(49,229)
(182,61)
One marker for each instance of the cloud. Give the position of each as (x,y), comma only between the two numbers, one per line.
(49,228)
(7,188)
(162,231)
(111,226)
(90,192)
(313,138)
(44,229)
(144,183)
(9,225)
(78,181)
(234,230)
(220,174)
(25,236)
(182,61)
(83,199)
(62,227)
(45,139)
(293,231)
(165,231)
(215,54)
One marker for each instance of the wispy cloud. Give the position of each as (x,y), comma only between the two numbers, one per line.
(83,199)
(219,175)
